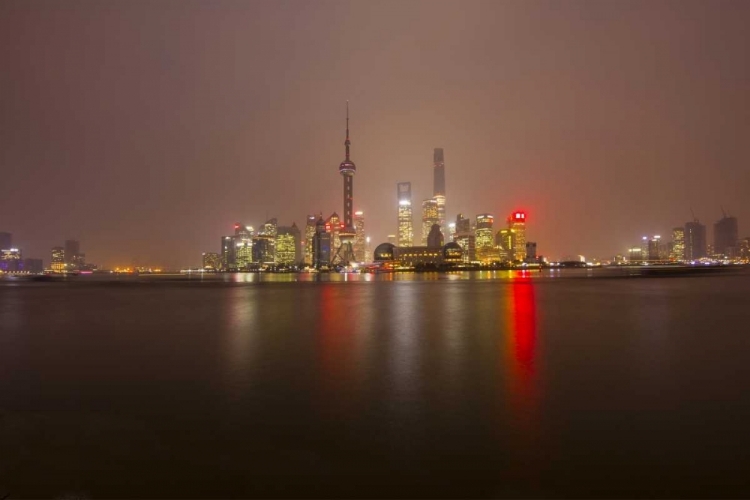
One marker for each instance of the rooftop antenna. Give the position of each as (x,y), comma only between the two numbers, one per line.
(722,211)
(695,219)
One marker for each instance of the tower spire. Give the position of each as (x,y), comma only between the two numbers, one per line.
(347,142)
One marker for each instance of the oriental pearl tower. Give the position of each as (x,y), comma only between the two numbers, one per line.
(345,252)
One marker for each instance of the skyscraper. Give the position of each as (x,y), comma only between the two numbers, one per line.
(517,222)
(58,259)
(678,245)
(228,253)
(405,227)
(211,261)
(73,254)
(726,237)
(438,191)
(505,241)
(345,252)
(484,239)
(695,240)
(429,217)
(309,233)
(653,248)
(334,226)
(465,238)
(6,241)
(285,248)
(359,236)
(321,245)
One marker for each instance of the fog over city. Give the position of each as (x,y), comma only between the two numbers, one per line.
(145,130)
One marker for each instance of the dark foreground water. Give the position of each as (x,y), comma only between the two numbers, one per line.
(410,386)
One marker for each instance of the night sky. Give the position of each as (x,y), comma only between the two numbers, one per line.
(146,129)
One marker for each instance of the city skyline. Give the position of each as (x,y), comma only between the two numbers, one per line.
(147,147)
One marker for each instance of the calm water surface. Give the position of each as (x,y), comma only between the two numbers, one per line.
(476,385)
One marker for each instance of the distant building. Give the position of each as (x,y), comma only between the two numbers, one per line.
(288,245)
(530,252)
(6,241)
(309,233)
(451,231)
(486,251)
(695,241)
(435,238)
(745,248)
(264,243)
(465,238)
(419,256)
(635,255)
(429,217)
(405,216)
(360,243)
(678,245)
(505,241)
(11,260)
(34,266)
(211,261)
(334,227)
(726,237)
(654,245)
(321,245)
(228,253)
(58,259)
(438,190)
(517,223)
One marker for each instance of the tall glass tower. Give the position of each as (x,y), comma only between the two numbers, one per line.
(405,226)
(438,191)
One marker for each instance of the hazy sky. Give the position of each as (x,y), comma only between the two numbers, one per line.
(146,129)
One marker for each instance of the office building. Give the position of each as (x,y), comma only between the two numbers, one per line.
(429,217)
(438,190)
(58,259)
(465,238)
(484,239)
(321,245)
(360,241)
(677,253)
(654,247)
(636,255)
(405,216)
(285,248)
(228,253)
(333,227)
(309,233)
(531,256)
(726,237)
(11,260)
(517,223)
(211,261)
(505,241)
(695,241)
(451,231)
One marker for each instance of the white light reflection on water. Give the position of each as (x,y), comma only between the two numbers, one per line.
(241,337)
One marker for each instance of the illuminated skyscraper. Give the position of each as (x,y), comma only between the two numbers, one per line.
(465,238)
(485,241)
(211,261)
(309,233)
(345,250)
(429,217)
(505,241)
(451,231)
(695,241)
(653,248)
(58,259)
(405,227)
(288,250)
(321,246)
(11,260)
(228,253)
(517,222)
(334,226)
(678,244)
(359,236)
(726,237)
(438,191)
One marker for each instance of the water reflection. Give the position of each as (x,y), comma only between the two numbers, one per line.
(521,365)
(241,336)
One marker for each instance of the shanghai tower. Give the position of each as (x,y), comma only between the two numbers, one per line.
(438,192)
